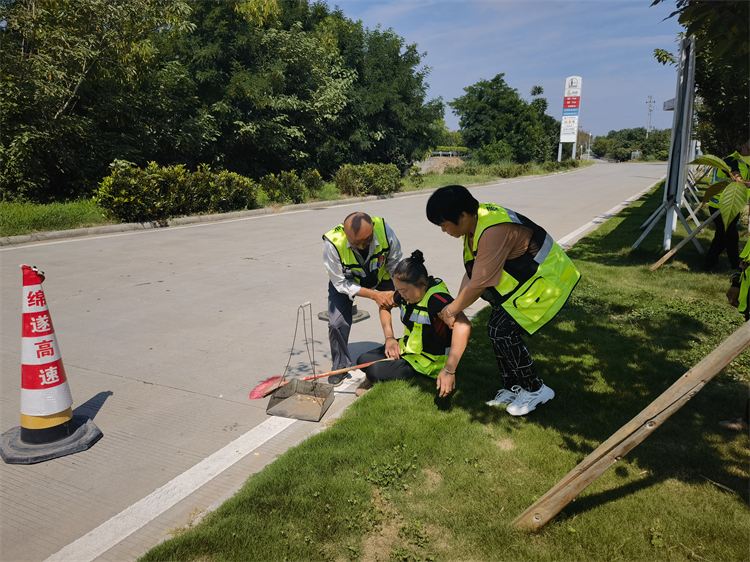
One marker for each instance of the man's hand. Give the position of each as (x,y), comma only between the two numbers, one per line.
(384,299)
(445,383)
(733,296)
(392,348)
(446,317)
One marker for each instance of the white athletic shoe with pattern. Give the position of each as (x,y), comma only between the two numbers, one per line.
(504,396)
(527,401)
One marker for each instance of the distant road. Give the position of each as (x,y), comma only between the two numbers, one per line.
(164,332)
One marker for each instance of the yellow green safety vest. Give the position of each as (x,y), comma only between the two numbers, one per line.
(533,288)
(745,281)
(721,175)
(373,272)
(424,354)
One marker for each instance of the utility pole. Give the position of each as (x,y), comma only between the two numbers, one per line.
(648,125)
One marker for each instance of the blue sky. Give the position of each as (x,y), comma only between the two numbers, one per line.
(610,43)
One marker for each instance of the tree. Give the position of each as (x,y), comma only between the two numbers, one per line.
(721,29)
(494,116)
(52,51)
(388,119)
(722,74)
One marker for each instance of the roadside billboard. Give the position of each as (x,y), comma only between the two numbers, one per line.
(571,107)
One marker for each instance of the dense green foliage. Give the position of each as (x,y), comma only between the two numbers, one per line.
(252,87)
(619,145)
(721,28)
(368,179)
(155,193)
(722,74)
(499,125)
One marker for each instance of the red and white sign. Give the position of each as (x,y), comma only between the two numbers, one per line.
(572,100)
(44,386)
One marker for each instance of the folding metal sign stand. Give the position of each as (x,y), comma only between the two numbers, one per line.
(679,152)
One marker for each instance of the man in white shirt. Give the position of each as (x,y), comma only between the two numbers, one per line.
(360,256)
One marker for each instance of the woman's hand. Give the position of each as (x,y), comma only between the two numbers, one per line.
(445,383)
(392,348)
(446,316)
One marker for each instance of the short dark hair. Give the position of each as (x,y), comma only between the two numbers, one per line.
(412,270)
(447,204)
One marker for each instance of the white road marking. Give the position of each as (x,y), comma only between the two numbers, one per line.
(107,535)
(604,217)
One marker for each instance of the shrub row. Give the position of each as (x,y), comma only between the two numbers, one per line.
(554,166)
(368,179)
(287,187)
(451,149)
(496,171)
(511,171)
(154,193)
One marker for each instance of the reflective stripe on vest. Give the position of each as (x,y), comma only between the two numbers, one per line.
(412,348)
(374,270)
(532,288)
(721,175)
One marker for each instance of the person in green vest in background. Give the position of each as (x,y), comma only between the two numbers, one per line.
(738,296)
(727,238)
(360,256)
(516,266)
(428,346)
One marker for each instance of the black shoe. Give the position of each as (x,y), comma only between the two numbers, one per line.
(336,380)
(710,267)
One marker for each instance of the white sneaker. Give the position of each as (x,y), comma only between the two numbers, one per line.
(504,396)
(527,401)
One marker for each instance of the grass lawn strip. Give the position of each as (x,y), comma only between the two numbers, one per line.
(405,476)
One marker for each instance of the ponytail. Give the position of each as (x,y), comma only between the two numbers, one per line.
(412,270)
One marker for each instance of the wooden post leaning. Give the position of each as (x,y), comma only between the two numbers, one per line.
(687,239)
(635,431)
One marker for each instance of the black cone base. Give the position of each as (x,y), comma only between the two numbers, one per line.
(356,317)
(15,451)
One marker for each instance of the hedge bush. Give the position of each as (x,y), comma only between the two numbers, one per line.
(497,171)
(368,179)
(154,193)
(287,187)
(512,171)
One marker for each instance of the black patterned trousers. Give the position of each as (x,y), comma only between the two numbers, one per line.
(512,355)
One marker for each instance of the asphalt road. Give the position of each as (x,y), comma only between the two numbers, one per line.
(164,332)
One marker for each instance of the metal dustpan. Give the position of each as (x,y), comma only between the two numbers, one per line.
(301,400)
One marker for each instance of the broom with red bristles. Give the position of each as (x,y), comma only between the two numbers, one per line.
(270,385)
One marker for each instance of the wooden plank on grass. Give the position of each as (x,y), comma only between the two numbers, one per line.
(633,432)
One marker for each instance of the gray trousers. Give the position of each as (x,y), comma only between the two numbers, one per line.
(340,323)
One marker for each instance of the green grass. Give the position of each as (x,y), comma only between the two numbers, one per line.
(406,476)
(25,218)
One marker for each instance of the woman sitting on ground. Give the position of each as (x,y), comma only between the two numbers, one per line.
(428,347)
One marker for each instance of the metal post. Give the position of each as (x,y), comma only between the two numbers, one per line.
(573,154)
(559,152)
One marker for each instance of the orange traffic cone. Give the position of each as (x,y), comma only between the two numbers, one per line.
(47,429)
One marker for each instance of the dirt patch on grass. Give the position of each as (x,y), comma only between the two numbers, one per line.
(378,545)
(438,165)
(505,444)
(434,479)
